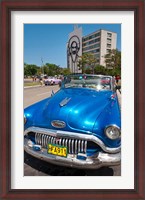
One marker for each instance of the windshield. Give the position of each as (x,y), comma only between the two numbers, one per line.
(88,81)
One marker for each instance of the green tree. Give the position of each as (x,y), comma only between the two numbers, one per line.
(30,70)
(52,69)
(99,69)
(88,70)
(65,71)
(92,61)
(45,69)
(87,60)
(82,62)
(113,59)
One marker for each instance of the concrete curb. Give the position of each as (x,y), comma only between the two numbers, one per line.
(32,86)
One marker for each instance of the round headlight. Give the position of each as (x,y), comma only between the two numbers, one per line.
(113,132)
(25,119)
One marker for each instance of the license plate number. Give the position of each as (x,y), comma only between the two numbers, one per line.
(57,150)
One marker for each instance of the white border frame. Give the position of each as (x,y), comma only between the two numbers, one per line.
(126,180)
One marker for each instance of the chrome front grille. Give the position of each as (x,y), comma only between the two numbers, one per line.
(74,146)
(75,142)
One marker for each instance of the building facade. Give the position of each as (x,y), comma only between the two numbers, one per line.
(97,43)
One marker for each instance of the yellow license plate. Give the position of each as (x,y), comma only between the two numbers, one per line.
(57,150)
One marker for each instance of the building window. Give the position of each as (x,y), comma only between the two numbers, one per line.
(109,34)
(97,34)
(108,45)
(91,37)
(95,51)
(91,47)
(109,40)
(97,40)
(84,39)
(108,50)
(91,42)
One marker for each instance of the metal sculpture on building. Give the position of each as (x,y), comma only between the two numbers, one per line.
(73,49)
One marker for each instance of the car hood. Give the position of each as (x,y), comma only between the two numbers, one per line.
(78,108)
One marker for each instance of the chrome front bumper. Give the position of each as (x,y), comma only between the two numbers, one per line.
(109,158)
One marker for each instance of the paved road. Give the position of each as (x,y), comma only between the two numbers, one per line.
(33,167)
(35,94)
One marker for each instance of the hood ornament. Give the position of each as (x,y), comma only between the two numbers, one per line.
(64,101)
(58,124)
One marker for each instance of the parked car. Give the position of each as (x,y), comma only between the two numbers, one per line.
(79,126)
(52,81)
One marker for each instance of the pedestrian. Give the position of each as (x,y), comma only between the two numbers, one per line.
(33,78)
(117,77)
(41,81)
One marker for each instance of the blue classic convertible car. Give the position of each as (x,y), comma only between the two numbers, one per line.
(79,126)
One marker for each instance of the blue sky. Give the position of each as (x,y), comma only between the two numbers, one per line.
(48,41)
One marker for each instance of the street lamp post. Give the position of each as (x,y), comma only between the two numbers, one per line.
(42,66)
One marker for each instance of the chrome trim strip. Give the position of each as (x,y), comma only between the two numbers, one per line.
(66,142)
(69,145)
(66,134)
(38,134)
(54,140)
(43,140)
(76,143)
(49,139)
(79,147)
(63,141)
(72,146)
(82,147)
(85,149)
(35,137)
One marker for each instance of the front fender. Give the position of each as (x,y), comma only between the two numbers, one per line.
(111,115)
(32,111)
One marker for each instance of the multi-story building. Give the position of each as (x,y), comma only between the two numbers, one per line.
(98,43)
